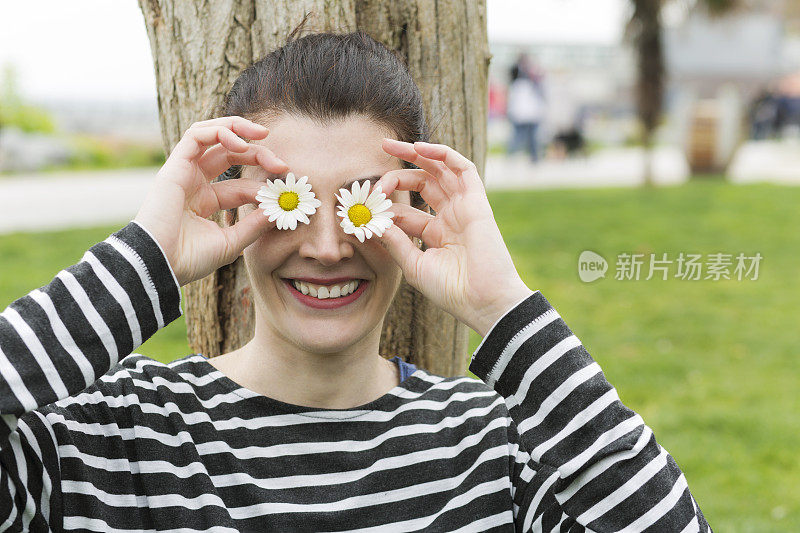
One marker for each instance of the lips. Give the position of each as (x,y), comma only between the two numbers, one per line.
(327,303)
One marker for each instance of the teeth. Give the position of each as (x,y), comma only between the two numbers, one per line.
(322,291)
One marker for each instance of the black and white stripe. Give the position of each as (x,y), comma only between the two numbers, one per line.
(98,440)
(609,473)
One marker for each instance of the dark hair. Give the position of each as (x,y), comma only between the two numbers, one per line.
(329,76)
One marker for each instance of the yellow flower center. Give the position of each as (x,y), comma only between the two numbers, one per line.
(359,214)
(288,200)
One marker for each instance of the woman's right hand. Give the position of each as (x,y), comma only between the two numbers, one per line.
(182,197)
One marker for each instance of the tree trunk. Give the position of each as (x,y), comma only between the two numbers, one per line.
(199,49)
(646,32)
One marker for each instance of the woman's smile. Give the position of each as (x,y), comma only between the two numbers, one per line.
(328,295)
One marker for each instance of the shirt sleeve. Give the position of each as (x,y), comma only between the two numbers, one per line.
(582,456)
(58,340)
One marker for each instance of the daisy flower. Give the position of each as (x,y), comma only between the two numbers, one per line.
(364,215)
(288,202)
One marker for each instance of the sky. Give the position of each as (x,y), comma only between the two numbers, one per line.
(98,49)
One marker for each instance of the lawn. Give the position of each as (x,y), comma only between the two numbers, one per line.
(710,365)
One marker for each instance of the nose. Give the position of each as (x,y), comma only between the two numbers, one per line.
(323,238)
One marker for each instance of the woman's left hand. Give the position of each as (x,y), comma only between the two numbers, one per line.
(466,269)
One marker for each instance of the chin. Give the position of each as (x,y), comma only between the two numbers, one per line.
(326,341)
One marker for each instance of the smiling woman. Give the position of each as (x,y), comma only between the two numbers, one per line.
(308,427)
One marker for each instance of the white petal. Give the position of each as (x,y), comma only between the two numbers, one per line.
(273,187)
(302,181)
(347,196)
(290,179)
(282,222)
(383,206)
(367,231)
(379,226)
(371,202)
(299,215)
(362,197)
(292,222)
(269,195)
(359,233)
(306,208)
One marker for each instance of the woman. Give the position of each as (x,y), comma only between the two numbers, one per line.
(307,427)
(525,109)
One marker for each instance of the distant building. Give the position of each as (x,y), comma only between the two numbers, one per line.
(745,49)
(133,120)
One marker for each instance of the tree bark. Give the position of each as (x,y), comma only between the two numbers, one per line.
(198,50)
(646,30)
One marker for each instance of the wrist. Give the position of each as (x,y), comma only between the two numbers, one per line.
(489,315)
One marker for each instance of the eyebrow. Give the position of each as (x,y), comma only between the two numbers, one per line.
(371,179)
(346,185)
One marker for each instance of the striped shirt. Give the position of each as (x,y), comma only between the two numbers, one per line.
(95,438)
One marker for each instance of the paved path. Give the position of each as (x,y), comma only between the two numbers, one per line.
(623,167)
(36,202)
(80,199)
(767,161)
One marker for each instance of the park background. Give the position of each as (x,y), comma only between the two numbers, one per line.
(710,364)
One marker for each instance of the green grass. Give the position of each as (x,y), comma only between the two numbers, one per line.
(30,260)
(710,365)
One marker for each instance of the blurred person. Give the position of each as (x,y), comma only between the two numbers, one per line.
(497,100)
(307,427)
(525,109)
(764,116)
(570,142)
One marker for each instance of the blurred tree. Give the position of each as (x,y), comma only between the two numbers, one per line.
(14,112)
(645,31)
(199,49)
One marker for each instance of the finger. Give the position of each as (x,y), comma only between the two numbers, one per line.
(456,162)
(196,140)
(228,194)
(403,251)
(240,125)
(417,180)
(417,223)
(218,159)
(244,233)
(438,169)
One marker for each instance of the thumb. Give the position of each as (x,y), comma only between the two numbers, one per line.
(245,232)
(404,252)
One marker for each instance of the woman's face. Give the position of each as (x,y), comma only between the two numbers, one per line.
(332,155)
